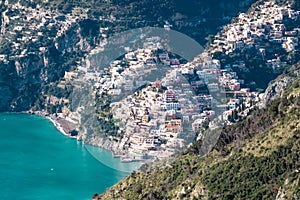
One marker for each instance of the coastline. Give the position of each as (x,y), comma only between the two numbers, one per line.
(58,127)
(54,120)
(63,126)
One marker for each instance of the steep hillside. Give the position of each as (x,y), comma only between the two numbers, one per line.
(195,18)
(254,47)
(255,159)
(40,40)
(277,87)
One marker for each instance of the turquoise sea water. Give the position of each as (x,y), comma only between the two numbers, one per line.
(37,162)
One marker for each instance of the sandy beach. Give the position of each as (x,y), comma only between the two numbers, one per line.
(62,125)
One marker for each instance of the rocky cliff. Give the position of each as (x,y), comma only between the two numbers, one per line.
(36,50)
(277,87)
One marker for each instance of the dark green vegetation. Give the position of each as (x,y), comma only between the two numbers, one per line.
(106,123)
(257,158)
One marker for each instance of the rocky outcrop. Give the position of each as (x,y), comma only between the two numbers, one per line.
(73,41)
(275,90)
(30,64)
(115,147)
(3,21)
(277,87)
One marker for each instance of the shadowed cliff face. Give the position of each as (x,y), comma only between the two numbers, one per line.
(24,77)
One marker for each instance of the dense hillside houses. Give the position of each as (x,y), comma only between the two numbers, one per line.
(151,117)
(266,24)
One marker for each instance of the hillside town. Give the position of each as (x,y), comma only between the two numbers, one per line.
(159,102)
(156,117)
(29,28)
(266,28)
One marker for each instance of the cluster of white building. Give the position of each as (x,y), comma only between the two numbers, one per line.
(152,115)
(26,26)
(258,29)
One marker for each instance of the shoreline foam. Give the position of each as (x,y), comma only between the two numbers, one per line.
(54,121)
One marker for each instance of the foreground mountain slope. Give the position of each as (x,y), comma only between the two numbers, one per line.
(262,165)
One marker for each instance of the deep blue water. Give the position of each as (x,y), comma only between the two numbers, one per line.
(37,162)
